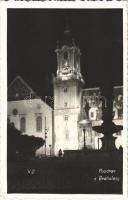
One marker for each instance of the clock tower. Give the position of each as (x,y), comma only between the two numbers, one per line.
(67,95)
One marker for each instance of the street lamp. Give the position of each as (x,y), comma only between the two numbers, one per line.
(46,131)
(84,124)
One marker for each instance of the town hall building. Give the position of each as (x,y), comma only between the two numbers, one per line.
(61,125)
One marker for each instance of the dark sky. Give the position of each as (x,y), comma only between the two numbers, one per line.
(32,38)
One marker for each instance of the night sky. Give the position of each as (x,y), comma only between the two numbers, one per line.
(33,35)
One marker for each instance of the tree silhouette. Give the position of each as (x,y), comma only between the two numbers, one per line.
(22,145)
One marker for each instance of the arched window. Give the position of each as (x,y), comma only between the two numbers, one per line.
(67,135)
(39,124)
(65,55)
(23,124)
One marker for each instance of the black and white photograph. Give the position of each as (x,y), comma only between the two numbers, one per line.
(65,101)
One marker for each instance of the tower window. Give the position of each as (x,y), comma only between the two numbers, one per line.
(65,104)
(65,90)
(23,124)
(67,135)
(66,117)
(39,124)
(65,55)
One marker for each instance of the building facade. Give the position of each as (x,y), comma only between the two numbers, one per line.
(30,113)
(92,97)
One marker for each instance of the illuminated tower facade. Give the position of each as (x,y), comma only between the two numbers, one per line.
(68,84)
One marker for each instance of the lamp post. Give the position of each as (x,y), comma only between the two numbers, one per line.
(84,124)
(46,130)
(84,138)
(50,146)
(45,140)
(50,100)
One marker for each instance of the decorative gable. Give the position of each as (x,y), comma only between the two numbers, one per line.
(20,90)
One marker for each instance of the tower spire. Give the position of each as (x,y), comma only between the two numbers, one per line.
(67,34)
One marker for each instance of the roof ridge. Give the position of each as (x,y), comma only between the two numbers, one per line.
(24,82)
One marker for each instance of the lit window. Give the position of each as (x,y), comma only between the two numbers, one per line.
(39,124)
(23,124)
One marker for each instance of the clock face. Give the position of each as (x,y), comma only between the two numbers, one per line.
(66,67)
